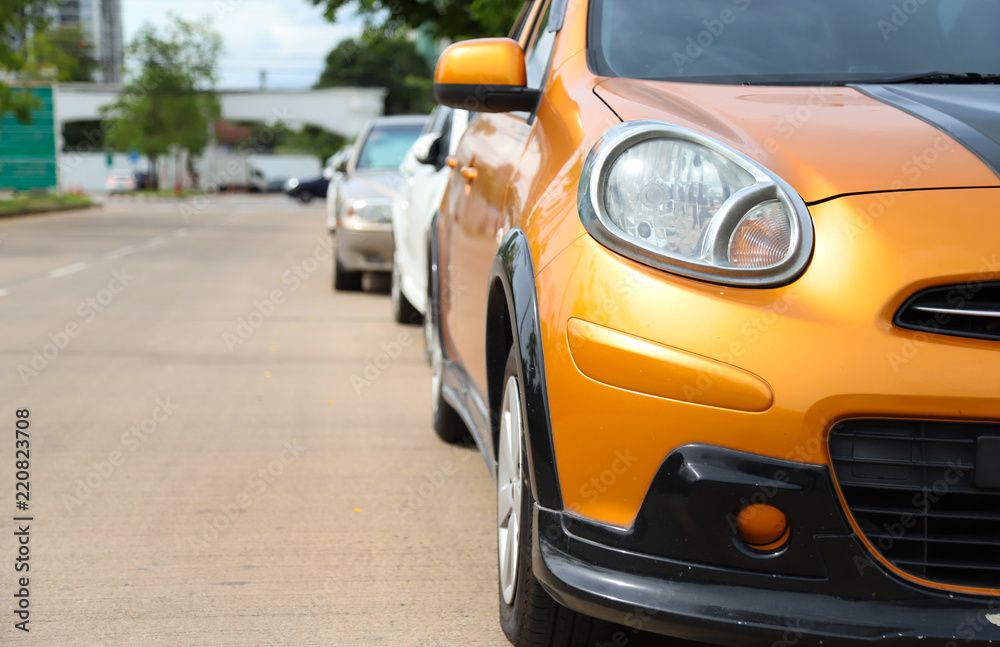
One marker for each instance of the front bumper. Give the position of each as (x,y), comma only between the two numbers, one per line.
(640,361)
(821,589)
(366,248)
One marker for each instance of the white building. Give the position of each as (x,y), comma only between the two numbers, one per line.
(101,21)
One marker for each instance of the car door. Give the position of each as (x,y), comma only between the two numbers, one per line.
(420,182)
(486,159)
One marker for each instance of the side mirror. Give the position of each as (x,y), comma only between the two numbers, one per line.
(341,167)
(431,155)
(484,75)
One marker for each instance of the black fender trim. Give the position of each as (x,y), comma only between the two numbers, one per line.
(513,278)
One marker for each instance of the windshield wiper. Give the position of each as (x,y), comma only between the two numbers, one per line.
(944,77)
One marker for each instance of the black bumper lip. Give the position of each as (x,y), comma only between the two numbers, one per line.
(746,609)
(680,571)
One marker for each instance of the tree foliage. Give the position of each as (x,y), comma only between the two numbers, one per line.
(451,19)
(19,21)
(311,140)
(169,101)
(379,59)
(66,49)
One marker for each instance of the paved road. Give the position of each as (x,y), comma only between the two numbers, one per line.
(258,497)
(222,451)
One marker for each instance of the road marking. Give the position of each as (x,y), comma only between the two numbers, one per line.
(69,269)
(153,242)
(118,253)
(3,292)
(180,233)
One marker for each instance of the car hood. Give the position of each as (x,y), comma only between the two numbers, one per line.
(371,185)
(825,141)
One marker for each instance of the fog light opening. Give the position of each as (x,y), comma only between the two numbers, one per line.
(763,528)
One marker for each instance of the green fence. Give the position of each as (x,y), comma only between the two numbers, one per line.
(28,151)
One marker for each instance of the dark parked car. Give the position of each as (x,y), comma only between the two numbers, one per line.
(306,190)
(276,184)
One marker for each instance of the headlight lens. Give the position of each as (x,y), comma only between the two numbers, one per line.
(686,203)
(370,211)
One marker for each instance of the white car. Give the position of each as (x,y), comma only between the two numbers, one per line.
(334,171)
(121,181)
(425,176)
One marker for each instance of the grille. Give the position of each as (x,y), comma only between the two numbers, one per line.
(964,310)
(925,494)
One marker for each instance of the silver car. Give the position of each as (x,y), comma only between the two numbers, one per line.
(364,197)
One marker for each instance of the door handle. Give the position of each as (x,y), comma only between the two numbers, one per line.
(469,173)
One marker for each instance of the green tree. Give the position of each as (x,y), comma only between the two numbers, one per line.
(451,19)
(19,21)
(311,140)
(170,100)
(378,59)
(66,48)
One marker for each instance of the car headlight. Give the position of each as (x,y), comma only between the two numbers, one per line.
(291,184)
(683,202)
(370,211)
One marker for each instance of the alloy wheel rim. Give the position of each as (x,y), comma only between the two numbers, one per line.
(509,478)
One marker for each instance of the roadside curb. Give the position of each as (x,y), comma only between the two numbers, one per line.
(48,210)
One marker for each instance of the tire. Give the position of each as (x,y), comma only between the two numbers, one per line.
(402,310)
(344,281)
(305,197)
(528,615)
(430,326)
(447,423)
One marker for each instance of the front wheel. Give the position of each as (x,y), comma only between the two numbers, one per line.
(344,281)
(528,615)
(447,423)
(402,310)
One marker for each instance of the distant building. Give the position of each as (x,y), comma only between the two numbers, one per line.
(101,21)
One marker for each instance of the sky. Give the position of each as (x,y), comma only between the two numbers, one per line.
(288,38)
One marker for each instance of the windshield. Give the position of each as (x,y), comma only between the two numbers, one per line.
(793,41)
(386,146)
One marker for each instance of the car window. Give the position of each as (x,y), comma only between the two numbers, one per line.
(386,146)
(444,147)
(522,20)
(438,118)
(538,54)
(806,41)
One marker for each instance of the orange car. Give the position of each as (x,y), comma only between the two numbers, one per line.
(716,289)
